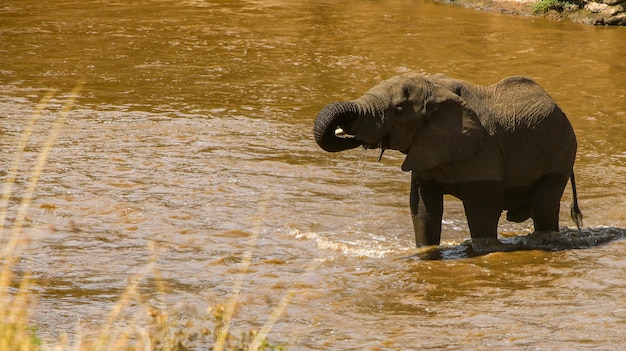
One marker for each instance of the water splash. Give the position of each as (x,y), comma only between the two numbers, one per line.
(359,248)
(567,239)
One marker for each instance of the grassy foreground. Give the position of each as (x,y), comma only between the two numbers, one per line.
(162,332)
(154,330)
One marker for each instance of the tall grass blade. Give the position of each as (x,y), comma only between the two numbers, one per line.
(17,158)
(229,309)
(36,173)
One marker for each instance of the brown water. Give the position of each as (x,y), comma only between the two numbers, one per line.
(191,147)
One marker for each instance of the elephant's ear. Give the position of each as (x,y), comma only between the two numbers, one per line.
(452,132)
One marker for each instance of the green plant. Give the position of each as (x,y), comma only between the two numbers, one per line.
(15,309)
(544,6)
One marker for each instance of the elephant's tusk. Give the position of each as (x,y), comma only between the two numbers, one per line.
(342,134)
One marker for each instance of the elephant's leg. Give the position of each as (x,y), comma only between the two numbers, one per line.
(518,215)
(483,203)
(426,210)
(546,202)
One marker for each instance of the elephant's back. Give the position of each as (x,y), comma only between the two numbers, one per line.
(520,103)
(533,131)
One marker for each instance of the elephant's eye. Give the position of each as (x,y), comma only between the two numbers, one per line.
(399,110)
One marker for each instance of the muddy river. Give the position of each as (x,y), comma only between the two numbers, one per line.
(183,167)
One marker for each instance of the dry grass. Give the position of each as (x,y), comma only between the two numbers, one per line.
(151,329)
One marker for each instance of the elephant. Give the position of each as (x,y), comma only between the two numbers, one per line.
(503,147)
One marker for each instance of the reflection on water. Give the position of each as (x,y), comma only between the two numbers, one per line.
(191,145)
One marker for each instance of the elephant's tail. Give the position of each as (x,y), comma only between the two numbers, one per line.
(575,213)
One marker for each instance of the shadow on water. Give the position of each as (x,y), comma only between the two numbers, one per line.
(547,241)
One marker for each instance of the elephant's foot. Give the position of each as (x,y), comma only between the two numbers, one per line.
(542,237)
(487,245)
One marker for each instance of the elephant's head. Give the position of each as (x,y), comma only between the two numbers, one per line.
(409,113)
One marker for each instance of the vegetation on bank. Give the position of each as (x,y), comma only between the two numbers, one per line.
(574,10)
(544,6)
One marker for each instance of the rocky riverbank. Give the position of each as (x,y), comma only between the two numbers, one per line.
(593,12)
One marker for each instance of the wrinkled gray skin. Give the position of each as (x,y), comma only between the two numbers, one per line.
(507,146)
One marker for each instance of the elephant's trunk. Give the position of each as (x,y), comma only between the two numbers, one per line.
(329,119)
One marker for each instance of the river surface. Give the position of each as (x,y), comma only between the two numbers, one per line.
(185,174)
